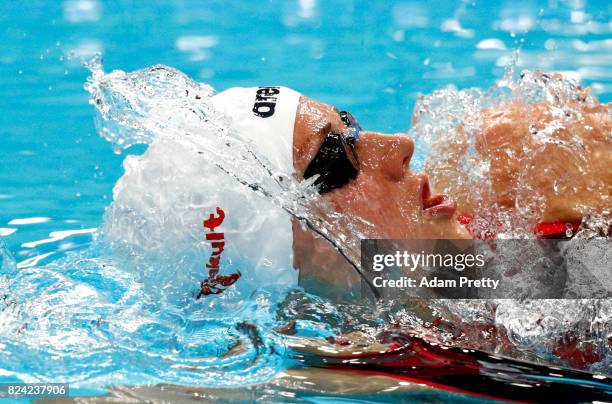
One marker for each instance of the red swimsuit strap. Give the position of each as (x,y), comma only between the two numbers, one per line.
(543,230)
(551,229)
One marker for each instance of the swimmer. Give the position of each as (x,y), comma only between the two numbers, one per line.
(362,174)
(365,175)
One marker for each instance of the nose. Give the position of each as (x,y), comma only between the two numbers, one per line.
(386,152)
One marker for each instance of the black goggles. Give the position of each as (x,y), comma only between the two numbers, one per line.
(336,162)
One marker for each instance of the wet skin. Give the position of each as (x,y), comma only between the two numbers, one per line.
(572,170)
(385,200)
(551,159)
(387,195)
(388,200)
(390,197)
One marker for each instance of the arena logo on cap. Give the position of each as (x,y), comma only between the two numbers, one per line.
(265,101)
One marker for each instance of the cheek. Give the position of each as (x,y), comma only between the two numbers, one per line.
(348,199)
(377,199)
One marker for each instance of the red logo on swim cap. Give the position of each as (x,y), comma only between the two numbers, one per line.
(215,283)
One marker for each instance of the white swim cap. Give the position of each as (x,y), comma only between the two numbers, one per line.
(155,221)
(264,116)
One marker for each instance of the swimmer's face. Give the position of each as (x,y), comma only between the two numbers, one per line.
(386,199)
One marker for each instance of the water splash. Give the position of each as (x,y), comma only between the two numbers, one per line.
(162,107)
(538,114)
(86,321)
(449,126)
(79,318)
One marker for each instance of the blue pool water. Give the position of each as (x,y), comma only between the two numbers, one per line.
(373,58)
(370,58)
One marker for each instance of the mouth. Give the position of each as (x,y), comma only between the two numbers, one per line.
(436,206)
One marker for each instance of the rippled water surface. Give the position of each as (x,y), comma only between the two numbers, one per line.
(56,169)
(57,173)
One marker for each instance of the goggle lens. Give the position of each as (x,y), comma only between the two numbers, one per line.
(336,162)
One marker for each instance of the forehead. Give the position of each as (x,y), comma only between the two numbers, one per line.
(314,120)
(315,112)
